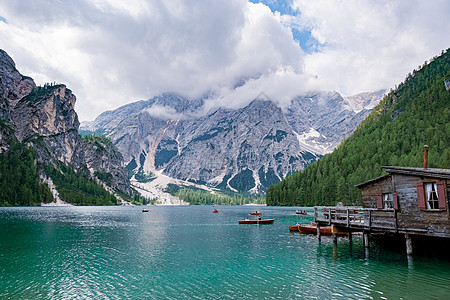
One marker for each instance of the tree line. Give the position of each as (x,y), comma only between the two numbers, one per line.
(202,197)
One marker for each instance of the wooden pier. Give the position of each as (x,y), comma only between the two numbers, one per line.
(407,201)
(364,219)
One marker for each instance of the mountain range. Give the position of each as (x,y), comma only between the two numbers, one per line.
(241,150)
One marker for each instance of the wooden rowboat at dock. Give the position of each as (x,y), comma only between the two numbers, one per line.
(255,213)
(293,227)
(264,221)
(312,228)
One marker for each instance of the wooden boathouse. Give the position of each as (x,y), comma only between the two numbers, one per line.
(407,201)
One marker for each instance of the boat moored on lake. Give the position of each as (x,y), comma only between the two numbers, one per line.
(255,213)
(293,227)
(257,221)
(312,228)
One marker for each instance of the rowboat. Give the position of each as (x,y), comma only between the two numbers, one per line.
(301,212)
(144,210)
(309,228)
(312,228)
(293,227)
(255,213)
(215,211)
(264,221)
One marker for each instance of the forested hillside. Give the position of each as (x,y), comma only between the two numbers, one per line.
(19,178)
(415,113)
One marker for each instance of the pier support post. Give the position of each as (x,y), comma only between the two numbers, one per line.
(350,237)
(366,239)
(409,247)
(318,231)
(334,238)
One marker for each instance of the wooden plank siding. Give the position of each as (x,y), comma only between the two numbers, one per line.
(370,192)
(408,217)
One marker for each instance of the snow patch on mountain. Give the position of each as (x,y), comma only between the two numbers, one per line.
(308,143)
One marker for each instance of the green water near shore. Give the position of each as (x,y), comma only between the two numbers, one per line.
(191,253)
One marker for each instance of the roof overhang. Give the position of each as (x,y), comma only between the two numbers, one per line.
(421,172)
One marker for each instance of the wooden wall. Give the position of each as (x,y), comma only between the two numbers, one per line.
(409,216)
(370,191)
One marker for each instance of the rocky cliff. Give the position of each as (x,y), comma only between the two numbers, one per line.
(47,120)
(104,160)
(245,149)
(44,118)
(13,87)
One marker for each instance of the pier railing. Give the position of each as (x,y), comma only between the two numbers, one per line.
(356,217)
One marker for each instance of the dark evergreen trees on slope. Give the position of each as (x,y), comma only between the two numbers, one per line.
(76,188)
(19,178)
(416,113)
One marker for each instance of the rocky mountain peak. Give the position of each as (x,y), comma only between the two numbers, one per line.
(245,149)
(366,100)
(44,118)
(13,85)
(47,119)
(46,111)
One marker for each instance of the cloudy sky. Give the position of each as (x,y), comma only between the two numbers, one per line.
(113,52)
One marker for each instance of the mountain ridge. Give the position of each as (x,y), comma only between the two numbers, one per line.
(415,113)
(209,149)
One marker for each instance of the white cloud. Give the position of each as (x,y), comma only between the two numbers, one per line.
(163,112)
(109,53)
(368,45)
(113,52)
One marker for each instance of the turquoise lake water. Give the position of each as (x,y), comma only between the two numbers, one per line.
(190,253)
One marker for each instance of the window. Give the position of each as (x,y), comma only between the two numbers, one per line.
(388,200)
(431,196)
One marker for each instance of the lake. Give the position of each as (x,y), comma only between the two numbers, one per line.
(187,252)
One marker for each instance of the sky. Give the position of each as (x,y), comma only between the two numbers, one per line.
(113,52)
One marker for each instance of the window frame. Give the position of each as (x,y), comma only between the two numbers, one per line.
(440,192)
(388,203)
(381,202)
(433,194)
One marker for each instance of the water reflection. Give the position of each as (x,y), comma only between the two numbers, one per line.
(188,252)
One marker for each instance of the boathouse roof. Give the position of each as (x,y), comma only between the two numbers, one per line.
(428,172)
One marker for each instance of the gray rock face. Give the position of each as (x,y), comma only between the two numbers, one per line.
(46,119)
(102,156)
(13,86)
(247,149)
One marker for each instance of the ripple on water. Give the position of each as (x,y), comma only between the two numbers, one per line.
(190,253)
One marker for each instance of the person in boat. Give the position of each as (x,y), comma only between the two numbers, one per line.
(246,219)
(259,217)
